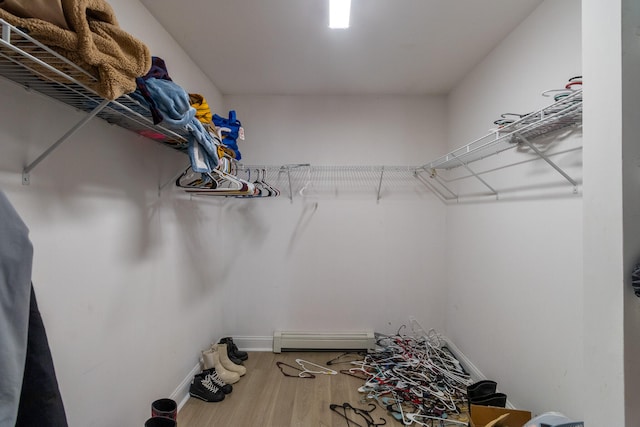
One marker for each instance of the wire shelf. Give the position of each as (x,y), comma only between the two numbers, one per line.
(322,180)
(36,67)
(564,113)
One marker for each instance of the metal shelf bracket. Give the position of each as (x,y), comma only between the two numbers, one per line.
(549,162)
(27,169)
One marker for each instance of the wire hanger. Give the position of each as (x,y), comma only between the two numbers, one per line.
(322,369)
(301,374)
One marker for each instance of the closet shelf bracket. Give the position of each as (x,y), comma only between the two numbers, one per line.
(478,177)
(27,169)
(380,184)
(288,168)
(433,175)
(548,160)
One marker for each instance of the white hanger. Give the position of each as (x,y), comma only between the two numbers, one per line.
(323,370)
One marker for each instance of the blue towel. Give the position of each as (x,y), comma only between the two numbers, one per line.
(177,113)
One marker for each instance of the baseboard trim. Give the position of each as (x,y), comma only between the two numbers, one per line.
(254,343)
(181,393)
(472,369)
(466,363)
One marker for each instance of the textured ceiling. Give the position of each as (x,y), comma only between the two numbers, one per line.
(285,46)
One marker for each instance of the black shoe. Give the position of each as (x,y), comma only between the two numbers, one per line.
(481,388)
(203,389)
(232,350)
(217,381)
(495,399)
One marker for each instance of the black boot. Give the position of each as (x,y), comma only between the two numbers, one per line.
(495,399)
(232,350)
(481,388)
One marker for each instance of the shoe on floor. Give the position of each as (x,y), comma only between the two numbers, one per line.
(228,364)
(233,349)
(202,388)
(217,381)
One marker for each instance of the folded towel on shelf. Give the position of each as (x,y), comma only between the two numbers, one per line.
(173,104)
(94,41)
(158,70)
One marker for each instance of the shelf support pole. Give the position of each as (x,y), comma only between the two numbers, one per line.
(476,175)
(63,138)
(430,186)
(546,159)
(380,184)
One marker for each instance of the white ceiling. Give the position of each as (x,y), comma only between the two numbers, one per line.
(285,46)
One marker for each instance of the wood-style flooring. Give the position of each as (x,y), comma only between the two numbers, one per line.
(265,397)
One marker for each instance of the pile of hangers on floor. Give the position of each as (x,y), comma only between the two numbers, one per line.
(417,379)
(224,180)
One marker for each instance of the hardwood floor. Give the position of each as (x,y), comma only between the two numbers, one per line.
(265,397)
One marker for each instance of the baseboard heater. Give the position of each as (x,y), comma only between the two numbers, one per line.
(292,341)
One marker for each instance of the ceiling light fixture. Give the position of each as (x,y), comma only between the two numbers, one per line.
(339,11)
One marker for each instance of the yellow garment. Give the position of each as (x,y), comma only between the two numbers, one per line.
(225,152)
(203,113)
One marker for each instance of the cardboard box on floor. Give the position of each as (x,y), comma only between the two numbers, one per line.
(490,416)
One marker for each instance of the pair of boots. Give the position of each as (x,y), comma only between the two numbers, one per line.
(234,354)
(217,358)
(484,393)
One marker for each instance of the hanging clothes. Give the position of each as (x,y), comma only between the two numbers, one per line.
(29,394)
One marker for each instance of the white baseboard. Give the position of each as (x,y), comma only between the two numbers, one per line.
(181,393)
(255,343)
(476,374)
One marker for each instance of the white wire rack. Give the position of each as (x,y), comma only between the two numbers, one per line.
(308,180)
(565,114)
(36,67)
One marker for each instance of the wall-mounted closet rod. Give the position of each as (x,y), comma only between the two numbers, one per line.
(546,159)
(78,126)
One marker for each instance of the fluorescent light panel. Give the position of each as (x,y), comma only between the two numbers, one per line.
(339,11)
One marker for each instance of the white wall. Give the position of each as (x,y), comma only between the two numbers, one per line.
(514,267)
(603,215)
(631,231)
(351,263)
(125,296)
